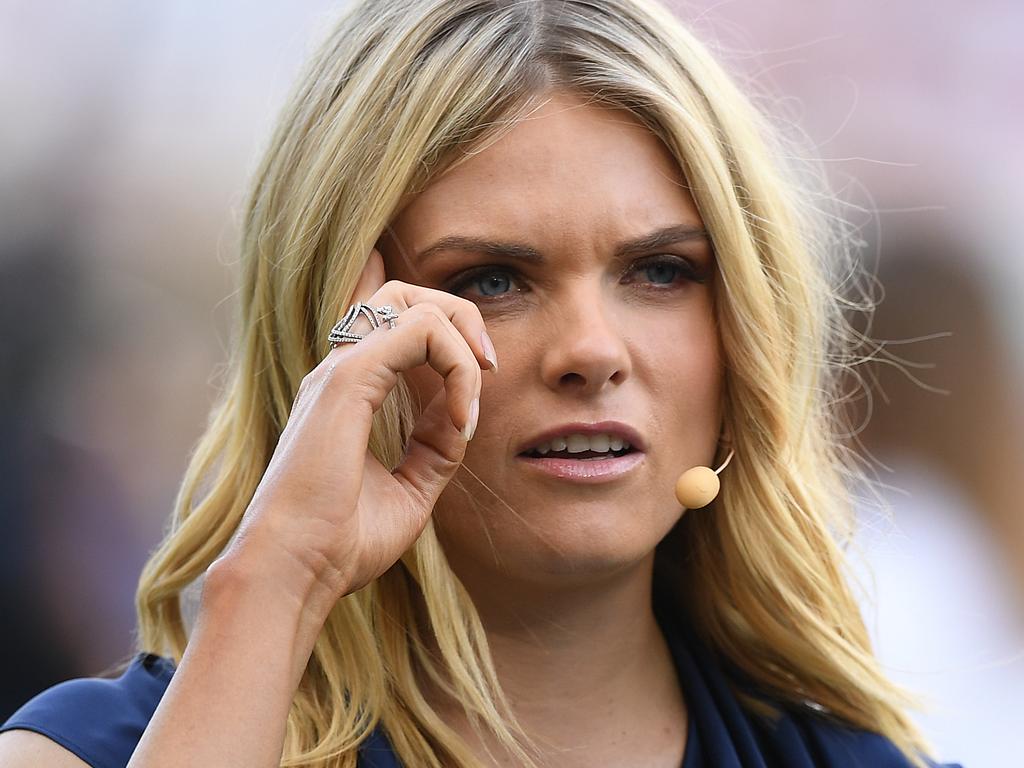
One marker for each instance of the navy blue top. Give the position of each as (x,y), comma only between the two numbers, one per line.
(102,720)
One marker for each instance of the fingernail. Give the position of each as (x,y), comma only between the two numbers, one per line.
(474,413)
(489,353)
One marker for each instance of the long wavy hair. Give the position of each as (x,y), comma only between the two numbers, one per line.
(400,91)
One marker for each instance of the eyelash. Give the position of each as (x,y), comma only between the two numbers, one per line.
(687,270)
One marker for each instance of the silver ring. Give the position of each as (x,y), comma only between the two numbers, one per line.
(340,333)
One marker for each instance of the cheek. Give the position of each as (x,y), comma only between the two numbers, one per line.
(684,368)
(686,340)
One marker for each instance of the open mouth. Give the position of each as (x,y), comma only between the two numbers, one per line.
(585,452)
(585,466)
(579,455)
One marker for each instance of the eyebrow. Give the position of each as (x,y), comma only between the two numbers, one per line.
(678,233)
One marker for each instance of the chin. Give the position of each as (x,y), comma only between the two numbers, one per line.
(578,545)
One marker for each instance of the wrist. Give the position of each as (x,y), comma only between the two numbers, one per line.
(280,553)
(265,593)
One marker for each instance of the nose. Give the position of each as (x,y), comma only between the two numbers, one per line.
(585,347)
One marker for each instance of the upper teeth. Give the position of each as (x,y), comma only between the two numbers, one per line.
(580,443)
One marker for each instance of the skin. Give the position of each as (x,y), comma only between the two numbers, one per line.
(561,572)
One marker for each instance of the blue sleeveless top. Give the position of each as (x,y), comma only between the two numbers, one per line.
(101,721)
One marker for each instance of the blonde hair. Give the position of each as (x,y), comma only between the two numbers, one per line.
(396,94)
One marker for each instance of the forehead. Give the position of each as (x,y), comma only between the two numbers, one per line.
(569,169)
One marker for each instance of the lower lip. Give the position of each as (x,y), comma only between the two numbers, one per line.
(586,470)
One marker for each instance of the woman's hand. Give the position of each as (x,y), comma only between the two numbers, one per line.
(326,506)
(326,519)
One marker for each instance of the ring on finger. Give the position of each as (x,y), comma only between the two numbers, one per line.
(341,333)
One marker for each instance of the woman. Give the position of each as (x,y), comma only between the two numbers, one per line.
(561,233)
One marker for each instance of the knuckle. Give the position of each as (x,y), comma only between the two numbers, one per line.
(471,308)
(438,313)
(413,316)
(306,383)
(425,312)
(334,376)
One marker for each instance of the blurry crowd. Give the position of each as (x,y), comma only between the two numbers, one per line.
(128,135)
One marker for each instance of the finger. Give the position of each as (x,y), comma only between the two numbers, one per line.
(432,456)
(456,337)
(463,314)
(419,337)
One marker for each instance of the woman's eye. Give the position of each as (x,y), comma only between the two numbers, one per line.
(664,270)
(661,272)
(488,281)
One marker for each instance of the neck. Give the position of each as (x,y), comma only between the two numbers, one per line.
(572,660)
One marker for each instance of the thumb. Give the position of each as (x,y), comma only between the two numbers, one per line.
(435,451)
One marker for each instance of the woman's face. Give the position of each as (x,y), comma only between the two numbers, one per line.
(582,335)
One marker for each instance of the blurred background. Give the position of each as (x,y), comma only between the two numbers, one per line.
(128,135)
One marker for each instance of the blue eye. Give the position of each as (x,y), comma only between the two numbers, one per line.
(492,281)
(670,267)
(663,269)
(489,281)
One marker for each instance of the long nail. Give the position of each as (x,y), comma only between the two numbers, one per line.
(489,352)
(474,414)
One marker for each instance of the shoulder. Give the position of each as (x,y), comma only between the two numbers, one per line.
(98,720)
(28,749)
